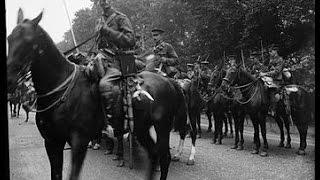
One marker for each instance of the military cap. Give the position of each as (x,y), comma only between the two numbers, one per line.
(190,64)
(157,30)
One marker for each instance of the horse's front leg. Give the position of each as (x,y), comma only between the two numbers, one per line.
(280,125)
(236,139)
(182,134)
(241,126)
(287,125)
(256,138)
(198,118)
(18,109)
(230,117)
(262,122)
(209,115)
(79,149)
(164,155)
(193,139)
(55,155)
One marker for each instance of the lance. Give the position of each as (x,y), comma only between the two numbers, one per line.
(242,57)
(71,29)
(261,51)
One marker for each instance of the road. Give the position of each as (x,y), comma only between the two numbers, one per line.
(28,159)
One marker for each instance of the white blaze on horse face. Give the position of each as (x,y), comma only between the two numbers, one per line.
(193,152)
(153,134)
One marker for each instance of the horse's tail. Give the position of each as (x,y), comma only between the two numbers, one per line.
(180,113)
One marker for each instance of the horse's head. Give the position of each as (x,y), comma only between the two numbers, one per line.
(230,78)
(237,76)
(22,47)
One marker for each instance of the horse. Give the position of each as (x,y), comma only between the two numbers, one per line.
(16,99)
(193,100)
(301,107)
(214,84)
(14,103)
(28,103)
(255,103)
(68,108)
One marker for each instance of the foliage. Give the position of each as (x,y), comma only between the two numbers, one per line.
(213,27)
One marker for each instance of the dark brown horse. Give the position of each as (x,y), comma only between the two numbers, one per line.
(301,106)
(255,102)
(193,101)
(14,103)
(68,103)
(216,97)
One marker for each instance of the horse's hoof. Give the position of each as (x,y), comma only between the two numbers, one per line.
(218,143)
(120,163)
(240,148)
(263,154)
(234,147)
(190,162)
(213,142)
(288,146)
(301,152)
(175,159)
(199,136)
(281,144)
(255,152)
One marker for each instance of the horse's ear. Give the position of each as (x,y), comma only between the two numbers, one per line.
(36,20)
(20,16)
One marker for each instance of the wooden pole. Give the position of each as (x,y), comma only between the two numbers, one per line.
(71,29)
(242,57)
(261,51)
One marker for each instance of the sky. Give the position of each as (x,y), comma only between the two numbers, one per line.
(54,20)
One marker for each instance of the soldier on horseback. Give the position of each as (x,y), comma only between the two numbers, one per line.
(166,52)
(275,71)
(116,37)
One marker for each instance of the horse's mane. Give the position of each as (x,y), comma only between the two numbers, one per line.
(43,34)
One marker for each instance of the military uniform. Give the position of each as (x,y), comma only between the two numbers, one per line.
(165,55)
(275,68)
(116,37)
(169,57)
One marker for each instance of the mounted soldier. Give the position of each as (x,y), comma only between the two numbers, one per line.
(273,78)
(166,57)
(115,43)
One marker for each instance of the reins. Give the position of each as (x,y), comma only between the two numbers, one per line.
(70,50)
(68,81)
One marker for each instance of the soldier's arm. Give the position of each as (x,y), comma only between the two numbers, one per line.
(123,38)
(171,58)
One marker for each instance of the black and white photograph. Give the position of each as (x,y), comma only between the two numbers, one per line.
(159,89)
